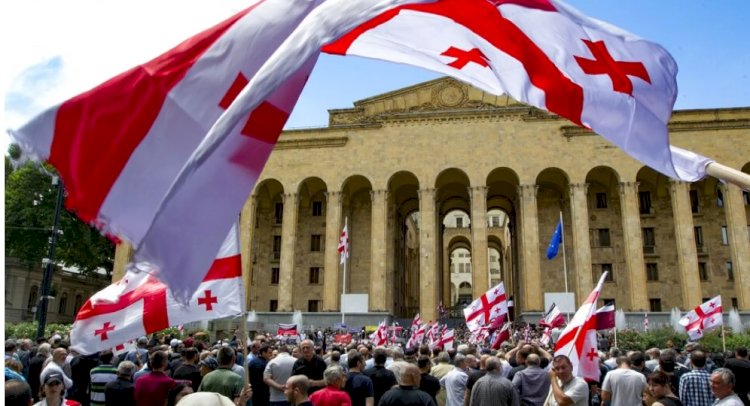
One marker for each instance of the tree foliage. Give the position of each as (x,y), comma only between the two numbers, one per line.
(30,199)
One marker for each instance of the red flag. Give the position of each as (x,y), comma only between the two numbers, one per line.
(578,340)
(501,336)
(605,317)
(140,304)
(703,318)
(548,55)
(287,329)
(553,318)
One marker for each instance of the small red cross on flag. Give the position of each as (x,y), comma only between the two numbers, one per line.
(464,57)
(208,300)
(104,330)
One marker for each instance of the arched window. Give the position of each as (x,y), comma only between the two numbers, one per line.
(63,303)
(78,304)
(33,297)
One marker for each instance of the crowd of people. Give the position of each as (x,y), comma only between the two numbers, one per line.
(169,371)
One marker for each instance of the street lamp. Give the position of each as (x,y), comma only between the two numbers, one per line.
(49,262)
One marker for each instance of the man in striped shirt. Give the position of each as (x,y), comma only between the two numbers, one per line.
(100,377)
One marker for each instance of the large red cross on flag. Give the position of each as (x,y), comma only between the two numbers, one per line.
(546,54)
(140,304)
(703,318)
(490,305)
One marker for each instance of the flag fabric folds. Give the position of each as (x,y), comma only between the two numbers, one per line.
(554,242)
(343,247)
(605,317)
(287,329)
(501,336)
(578,340)
(380,336)
(490,305)
(546,54)
(553,317)
(139,304)
(417,337)
(645,322)
(703,318)
(189,132)
(445,341)
(416,323)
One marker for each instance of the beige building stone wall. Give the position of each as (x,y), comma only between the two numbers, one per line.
(447,142)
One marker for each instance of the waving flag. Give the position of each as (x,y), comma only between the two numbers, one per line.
(165,155)
(553,317)
(445,341)
(417,337)
(703,318)
(344,243)
(416,323)
(500,337)
(554,242)
(287,329)
(605,317)
(645,322)
(546,54)
(578,340)
(490,305)
(140,304)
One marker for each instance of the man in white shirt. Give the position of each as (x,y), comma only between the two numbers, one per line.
(454,382)
(569,389)
(277,371)
(623,386)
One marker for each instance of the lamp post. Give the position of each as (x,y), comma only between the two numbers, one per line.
(49,262)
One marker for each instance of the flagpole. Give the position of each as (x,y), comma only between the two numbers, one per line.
(723,338)
(243,335)
(346,259)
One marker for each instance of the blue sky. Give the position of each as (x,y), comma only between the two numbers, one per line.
(79,43)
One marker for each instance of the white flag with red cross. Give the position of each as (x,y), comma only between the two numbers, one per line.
(546,54)
(491,305)
(343,247)
(578,340)
(139,304)
(703,318)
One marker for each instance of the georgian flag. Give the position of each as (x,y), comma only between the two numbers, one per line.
(417,337)
(553,317)
(501,336)
(165,154)
(578,340)
(416,323)
(445,341)
(139,304)
(343,247)
(490,305)
(703,318)
(546,54)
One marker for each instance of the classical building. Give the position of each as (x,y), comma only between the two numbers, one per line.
(69,292)
(448,190)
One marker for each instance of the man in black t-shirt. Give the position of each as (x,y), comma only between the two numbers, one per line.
(382,378)
(427,383)
(740,366)
(311,366)
(188,370)
(358,386)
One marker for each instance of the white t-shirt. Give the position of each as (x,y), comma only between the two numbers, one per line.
(577,390)
(625,385)
(732,400)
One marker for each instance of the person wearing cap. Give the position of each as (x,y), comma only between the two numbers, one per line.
(53,391)
(139,355)
(121,392)
(207,365)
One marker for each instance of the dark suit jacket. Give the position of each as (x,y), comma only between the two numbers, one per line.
(119,393)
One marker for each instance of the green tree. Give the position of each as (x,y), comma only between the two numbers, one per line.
(29,214)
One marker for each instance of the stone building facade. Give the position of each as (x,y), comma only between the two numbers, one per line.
(70,290)
(401,167)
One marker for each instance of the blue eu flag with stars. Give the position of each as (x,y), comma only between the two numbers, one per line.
(554,242)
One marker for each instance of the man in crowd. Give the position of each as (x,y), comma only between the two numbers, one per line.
(740,367)
(427,382)
(310,365)
(454,382)
(533,382)
(121,391)
(189,370)
(474,376)
(332,395)
(382,378)
(623,386)
(277,371)
(295,390)
(493,389)
(17,393)
(223,380)
(256,369)
(695,388)
(152,388)
(406,393)
(722,385)
(35,369)
(566,388)
(358,386)
(57,364)
(100,376)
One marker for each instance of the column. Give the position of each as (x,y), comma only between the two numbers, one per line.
(247,232)
(288,243)
(531,275)
(123,256)
(734,209)
(428,295)
(633,239)
(479,260)
(579,214)
(687,254)
(331,289)
(378,250)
